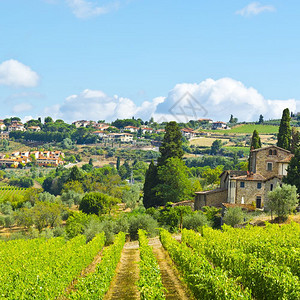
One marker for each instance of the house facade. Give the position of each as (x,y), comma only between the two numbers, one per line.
(267,167)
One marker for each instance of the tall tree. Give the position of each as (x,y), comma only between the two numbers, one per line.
(118,163)
(172,143)
(151,181)
(255,141)
(284,134)
(295,140)
(216,147)
(174,184)
(261,119)
(293,171)
(255,144)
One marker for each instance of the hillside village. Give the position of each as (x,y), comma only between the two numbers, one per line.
(42,159)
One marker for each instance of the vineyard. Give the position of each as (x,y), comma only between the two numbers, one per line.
(249,263)
(8,191)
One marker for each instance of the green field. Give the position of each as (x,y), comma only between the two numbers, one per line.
(249,128)
(245,150)
(9,191)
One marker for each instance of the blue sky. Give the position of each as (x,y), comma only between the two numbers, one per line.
(77,59)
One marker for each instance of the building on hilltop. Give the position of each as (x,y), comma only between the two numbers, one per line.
(268,165)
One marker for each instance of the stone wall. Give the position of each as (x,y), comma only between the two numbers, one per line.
(210,198)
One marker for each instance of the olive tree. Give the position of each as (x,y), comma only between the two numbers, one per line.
(282,200)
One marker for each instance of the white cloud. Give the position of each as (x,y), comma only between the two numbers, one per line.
(215,99)
(254,9)
(96,105)
(14,73)
(85,9)
(22,107)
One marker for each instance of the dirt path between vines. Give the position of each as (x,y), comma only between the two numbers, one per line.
(89,269)
(176,290)
(127,273)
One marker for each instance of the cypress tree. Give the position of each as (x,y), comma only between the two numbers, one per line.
(171,148)
(151,181)
(118,163)
(255,141)
(172,143)
(284,134)
(255,144)
(295,140)
(293,171)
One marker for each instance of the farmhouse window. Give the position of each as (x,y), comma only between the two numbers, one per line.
(259,185)
(269,166)
(242,184)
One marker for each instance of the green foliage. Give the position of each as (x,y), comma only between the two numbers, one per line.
(174,184)
(284,134)
(282,200)
(96,284)
(43,269)
(233,216)
(150,282)
(25,182)
(295,140)
(261,119)
(205,281)
(97,203)
(140,221)
(43,214)
(71,197)
(216,147)
(125,171)
(172,144)
(46,197)
(293,171)
(211,176)
(76,223)
(151,181)
(131,196)
(255,141)
(262,259)
(194,221)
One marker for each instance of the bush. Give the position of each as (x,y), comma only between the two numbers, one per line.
(59,231)
(145,222)
(9,221)
(282,200)
(97,203)
(194,221)
(233,216)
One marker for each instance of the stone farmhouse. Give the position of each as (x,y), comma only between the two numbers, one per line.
(268,165)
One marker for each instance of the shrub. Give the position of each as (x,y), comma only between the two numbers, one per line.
(9,221)
(282,200)
(233,216)
(194,221)
(97,203)
(145,222)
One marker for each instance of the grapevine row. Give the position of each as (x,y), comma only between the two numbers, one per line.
(150,284)
(203,280)
(95,285)
(39,269)
(265,279)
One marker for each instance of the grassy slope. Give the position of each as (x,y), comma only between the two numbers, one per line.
(249,128)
